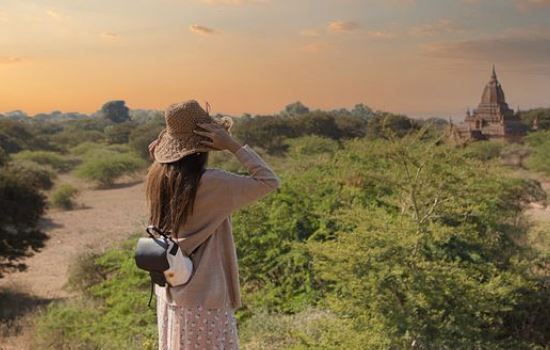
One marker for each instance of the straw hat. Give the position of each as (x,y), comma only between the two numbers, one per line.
(178,139)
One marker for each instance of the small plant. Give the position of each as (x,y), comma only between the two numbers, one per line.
(64,196)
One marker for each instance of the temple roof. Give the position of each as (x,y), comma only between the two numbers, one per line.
(493,93)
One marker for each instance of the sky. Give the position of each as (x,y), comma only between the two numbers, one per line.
(422,58)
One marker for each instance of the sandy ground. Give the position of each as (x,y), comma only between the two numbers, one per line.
(104,218)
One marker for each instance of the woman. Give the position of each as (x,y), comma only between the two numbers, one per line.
(195,204)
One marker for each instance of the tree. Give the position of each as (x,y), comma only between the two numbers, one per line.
(115,111)
(21,205)
(541,115)
(295,108)
(384,124)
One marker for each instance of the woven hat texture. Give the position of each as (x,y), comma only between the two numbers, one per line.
(178,139)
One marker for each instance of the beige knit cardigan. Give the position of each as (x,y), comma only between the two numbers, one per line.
(215,281)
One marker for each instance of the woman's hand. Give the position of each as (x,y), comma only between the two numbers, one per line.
(220,139)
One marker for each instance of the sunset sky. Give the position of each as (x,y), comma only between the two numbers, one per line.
(419,57)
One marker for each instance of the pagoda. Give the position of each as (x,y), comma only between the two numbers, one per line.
(492,119)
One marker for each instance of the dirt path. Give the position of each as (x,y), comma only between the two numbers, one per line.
(105,218)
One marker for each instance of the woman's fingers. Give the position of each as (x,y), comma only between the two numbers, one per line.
(203,133)
(208,143)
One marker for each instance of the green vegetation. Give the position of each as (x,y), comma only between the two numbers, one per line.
(104,166)
(542,115)
(397,242)
(112,312)
(63,197)
(21,205)
(382,235)
(540,144)
(52,159)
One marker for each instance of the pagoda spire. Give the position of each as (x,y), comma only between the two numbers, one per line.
(494,74)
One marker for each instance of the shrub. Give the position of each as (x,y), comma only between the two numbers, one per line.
(539,160)
(311,145)
(55,160)
(113,312)
(21,205)
(141,137)
(104,167)
(485,150)
(39,176)
(63,197)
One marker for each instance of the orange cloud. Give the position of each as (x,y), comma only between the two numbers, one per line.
(10,60)
(202,30)
(343,26)
(109,36)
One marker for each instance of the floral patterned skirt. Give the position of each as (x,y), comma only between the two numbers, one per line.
(186,328)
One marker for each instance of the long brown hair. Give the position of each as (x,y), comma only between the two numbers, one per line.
(171,190)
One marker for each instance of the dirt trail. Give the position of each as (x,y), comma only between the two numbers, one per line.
(105,218)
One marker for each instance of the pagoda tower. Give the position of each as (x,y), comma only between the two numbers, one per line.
(492,118)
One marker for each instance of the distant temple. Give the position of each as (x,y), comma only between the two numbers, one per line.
(492,119)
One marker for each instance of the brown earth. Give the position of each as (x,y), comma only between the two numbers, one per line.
(102,219)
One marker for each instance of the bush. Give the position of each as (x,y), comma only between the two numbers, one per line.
(539,160)
(311,145)
(39,176)
(104,167)
(485,150)
(63,197)
(21,205)
(55,160)
(113,312)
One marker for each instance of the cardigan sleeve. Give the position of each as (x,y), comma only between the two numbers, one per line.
(245,189)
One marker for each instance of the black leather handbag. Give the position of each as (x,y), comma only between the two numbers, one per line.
(162,257)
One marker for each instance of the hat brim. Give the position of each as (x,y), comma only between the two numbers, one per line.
(171,148)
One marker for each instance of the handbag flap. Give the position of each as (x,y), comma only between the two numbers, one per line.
(150,254)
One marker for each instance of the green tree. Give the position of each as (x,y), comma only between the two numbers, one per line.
(21,205)
(115,111)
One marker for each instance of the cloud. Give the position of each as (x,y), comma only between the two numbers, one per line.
(8,60)
(109,36)
(201,30)
(55,15)
(518,51)
(3,16)
(234,2)
(381,34)
(432,29)
(343,26)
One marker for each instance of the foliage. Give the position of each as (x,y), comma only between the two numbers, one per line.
(310,145)
(271,132)
(387,123)
(106,166)
(295,108)
(119,133)
(539,160)
(21,205)
(141,136)
(540,114)
(53,159)
(64,196)
(16,136)
(115,111)
(485,150)
(112,314)
(33,174)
